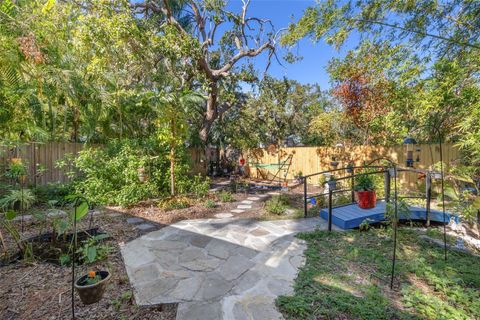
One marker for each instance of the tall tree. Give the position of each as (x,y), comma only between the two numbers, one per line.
(216,57)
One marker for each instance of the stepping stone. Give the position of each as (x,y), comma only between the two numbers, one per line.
(145,226)
(237,211)
(134,220)
(114,214)
(25,217)
(253,198)
(263,195)
(223,215)
(244,206)
(247,202)
(274,193)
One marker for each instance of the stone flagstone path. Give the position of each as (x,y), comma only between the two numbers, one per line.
(218,268)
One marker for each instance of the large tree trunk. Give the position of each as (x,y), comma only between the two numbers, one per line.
(210,114)
(209,118)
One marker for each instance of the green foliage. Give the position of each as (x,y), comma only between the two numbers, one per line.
(23,199)
(403,211)
(364,182)
(53,193)
(365,225)
(277,205)
(209,204)
(16,170)
(200,186)
(225,196)
(93,249)
(333,283)
(110,175)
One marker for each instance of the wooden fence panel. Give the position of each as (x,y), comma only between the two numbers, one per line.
(41,155)
(309,160)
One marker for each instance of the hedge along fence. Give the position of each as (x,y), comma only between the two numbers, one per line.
(308,160)
(42,158)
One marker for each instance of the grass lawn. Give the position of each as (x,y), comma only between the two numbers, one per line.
(347,276)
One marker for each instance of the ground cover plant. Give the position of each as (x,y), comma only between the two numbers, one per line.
(347,274)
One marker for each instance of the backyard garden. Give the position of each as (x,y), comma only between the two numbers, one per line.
(204,159)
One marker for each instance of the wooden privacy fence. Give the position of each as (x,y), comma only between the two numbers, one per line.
(308,160)
(41,159)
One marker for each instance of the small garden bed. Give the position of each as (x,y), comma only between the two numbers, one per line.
(347,275)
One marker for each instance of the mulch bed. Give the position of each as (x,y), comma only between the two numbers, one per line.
(41,290)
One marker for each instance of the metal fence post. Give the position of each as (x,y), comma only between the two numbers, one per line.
(387,185)
(304,197)
(352,182)
(330,193)
(428,192)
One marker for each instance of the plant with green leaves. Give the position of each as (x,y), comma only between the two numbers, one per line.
(364,182)
(93,249)
(210,204)
(22,199)
(225,196)
(403,212)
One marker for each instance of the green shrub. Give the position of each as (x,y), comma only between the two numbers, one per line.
(200,186)
(225,196)
(210,204)
(276,205)
(109,175)
(53,193)
(14,199)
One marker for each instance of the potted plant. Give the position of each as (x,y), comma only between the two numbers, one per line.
(365,191)
(332,183)
(91,286)
(298,176)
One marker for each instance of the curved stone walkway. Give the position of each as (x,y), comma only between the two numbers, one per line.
(218,268)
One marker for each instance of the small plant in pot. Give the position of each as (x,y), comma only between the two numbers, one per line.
(91,286)
(365,191)
(332,183)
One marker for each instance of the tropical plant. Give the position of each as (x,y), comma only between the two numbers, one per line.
(93,249)
(23,199)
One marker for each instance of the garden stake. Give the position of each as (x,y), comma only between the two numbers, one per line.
(394,226)
(75,249)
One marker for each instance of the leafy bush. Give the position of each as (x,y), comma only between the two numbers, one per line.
(364,182)
(225,196)
(109,175)
(210,204)
(200,186)
(53,193)
(277,205)
(14,199)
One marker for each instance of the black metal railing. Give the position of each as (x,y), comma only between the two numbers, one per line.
(385,170)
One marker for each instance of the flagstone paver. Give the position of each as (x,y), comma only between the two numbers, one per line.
(145,226)
(135,220)
(244,206)
(237,210)
(223,215)
(218,268)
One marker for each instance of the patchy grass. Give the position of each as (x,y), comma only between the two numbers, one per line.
(347,276)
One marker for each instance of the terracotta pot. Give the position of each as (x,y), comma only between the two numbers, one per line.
(92,293)
(366,199)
